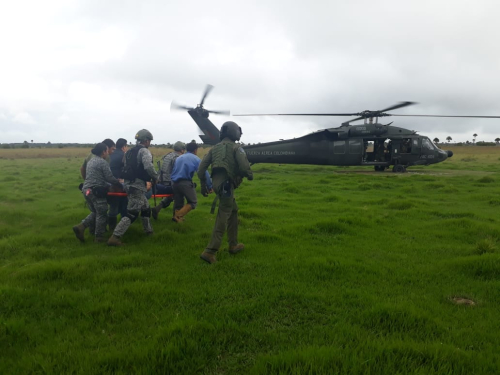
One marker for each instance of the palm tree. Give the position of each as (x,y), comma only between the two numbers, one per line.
(448,138)
(435,140)
(474,135)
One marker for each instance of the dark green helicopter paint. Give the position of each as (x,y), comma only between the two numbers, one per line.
(346,145)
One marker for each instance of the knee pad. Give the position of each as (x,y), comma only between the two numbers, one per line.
(146,212)
(132,215)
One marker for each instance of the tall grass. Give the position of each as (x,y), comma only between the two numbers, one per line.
(345,271)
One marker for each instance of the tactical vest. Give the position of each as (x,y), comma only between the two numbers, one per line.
(132,168)
(223,158)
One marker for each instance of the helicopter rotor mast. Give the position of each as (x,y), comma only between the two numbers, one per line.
(369,115)
(364,115)
(199,108)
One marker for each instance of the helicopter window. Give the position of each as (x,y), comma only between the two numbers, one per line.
(406,146)
(339,147)
(427,144)
(355,146)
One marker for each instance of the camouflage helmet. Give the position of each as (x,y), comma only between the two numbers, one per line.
(143,135)
(230,130)
(179,146)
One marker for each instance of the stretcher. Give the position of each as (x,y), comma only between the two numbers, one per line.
(112,194)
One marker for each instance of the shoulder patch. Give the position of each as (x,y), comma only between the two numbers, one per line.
(241,151)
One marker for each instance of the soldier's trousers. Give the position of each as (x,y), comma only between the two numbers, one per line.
(98,216)
(227,218)
(137,205)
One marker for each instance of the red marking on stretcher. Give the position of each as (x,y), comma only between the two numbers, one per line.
(153,196)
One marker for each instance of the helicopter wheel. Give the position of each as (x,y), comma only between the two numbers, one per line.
(399,168)
(379,168)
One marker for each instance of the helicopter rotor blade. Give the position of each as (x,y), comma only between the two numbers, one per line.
(399,105)
(446,116)
(226,113)
(180,107)
(300,114)
(207,91)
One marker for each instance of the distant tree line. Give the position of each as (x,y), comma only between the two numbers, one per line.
(467,143)
(26,144)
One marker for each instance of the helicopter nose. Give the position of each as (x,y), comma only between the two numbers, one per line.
(450,153)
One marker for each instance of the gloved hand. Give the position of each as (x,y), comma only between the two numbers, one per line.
(204,190)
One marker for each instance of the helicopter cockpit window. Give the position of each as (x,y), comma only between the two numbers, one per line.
(427,144)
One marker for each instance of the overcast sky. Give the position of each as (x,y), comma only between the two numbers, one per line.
(81,71)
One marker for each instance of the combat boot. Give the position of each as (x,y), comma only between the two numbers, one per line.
(114,241)
(155,211)
(80,232)
(208,257)
(236,249)
(179,214)
(112,221)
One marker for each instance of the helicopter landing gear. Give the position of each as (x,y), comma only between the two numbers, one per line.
(399,168)
(379,168)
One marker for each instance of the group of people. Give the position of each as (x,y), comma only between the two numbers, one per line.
(112,168)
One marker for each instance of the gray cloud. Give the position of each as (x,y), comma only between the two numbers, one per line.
(89,69)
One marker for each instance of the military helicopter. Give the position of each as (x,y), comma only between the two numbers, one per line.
(346,145)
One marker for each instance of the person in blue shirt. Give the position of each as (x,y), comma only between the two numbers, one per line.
(185,167)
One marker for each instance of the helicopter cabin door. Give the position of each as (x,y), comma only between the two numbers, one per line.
(416,146)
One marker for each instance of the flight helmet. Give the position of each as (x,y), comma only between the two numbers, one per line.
(230,130)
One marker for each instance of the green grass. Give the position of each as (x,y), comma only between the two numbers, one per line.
(345,271)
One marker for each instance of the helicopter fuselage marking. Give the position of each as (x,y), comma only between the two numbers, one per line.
(270,152)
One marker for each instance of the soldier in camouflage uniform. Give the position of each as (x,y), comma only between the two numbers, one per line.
(229,165)
(83,169)
(111,148)
(95,189)
(165,185)
(137,171)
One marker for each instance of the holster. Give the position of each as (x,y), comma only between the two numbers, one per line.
(225,191)
(100,191)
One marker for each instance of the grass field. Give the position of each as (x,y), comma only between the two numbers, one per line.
(345,271)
